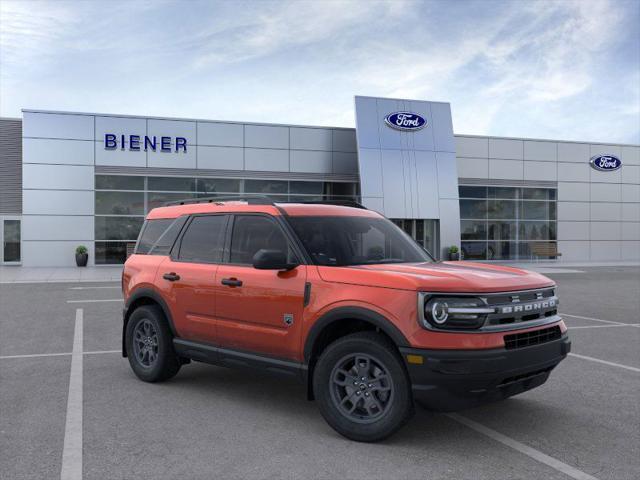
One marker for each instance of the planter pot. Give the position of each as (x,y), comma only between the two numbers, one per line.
(454,256)
(82,259)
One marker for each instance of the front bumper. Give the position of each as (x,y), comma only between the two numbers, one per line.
(449,380)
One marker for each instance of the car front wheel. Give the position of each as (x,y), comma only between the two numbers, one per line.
(362,388)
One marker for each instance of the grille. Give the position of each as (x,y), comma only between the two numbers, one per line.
(536,337)
(521,298)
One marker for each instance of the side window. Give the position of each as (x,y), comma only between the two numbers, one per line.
(167,239)
(203,240)
(151,231)
(255,232)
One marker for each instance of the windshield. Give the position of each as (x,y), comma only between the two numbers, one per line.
(341,241)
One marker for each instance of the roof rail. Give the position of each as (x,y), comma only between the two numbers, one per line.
(250,199)
(342,203)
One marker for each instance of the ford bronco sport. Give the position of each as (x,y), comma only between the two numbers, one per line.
(340,298)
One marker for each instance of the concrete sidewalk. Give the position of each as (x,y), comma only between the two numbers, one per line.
(11,274)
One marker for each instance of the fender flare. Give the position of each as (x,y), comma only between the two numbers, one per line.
(355,313)
(137,295)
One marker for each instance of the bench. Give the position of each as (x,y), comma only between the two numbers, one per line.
(545,249)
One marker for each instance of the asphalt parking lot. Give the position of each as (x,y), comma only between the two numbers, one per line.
(69,403)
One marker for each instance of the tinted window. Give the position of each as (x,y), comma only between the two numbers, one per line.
(178,184)
(252,233)
(120,203)
(167,239)
(151,232)
(343,241)
(117,228)
(119,182)
(204,239)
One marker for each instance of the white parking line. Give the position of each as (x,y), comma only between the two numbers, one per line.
(612,364)
(95,301)
(72,450)
(594,319)
(94,287)
(522,448)
(35,355)
(606,326)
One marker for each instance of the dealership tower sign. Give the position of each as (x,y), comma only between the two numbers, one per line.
(605,163)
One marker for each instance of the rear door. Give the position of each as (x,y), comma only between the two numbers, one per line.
(259,310)
(188,277)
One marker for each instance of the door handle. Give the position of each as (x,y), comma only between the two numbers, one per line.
(231,282)
(172,277)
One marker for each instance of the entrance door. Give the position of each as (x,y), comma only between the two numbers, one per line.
(10,233)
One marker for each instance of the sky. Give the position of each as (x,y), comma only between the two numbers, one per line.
(541,69)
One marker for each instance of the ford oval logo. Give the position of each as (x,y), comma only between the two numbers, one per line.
(405,121)
(606,163)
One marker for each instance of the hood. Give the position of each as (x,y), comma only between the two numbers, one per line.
(459,277)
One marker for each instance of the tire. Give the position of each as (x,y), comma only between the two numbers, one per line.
(152,358)
(364,411)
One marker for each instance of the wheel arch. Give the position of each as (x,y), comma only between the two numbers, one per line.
(342,321)
(140,297)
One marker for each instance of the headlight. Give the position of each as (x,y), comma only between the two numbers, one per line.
(455,312)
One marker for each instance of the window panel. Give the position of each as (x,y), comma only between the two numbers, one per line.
(474,250)
(172,184)
(266,186)
(502,192)
(501,230)
(306,188)
(120,203)
(110,253)
(119,182)
(502,209)
(473,209)
(531,210)
(501,250)
(203,240)
(472,192)
(538,194)
(218,185)
(118,228)
(157,199)
(473,230)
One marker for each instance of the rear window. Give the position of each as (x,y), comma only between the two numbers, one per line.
(157,236)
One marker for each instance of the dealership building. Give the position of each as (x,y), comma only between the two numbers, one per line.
(69,179)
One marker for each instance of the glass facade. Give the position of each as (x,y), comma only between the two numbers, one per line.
(121,202)
(425,232)
(505,223)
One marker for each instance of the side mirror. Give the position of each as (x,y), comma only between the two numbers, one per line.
(272,260)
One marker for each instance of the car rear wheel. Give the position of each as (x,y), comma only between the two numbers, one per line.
(362,388)
(150,345)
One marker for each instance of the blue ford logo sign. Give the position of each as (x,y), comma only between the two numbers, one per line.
(606,163)
(405,121)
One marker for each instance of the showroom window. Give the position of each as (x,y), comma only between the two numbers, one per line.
(122,201)
(504,223)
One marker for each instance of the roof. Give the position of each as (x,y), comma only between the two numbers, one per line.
(241,206)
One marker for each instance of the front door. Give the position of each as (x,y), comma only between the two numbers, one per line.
(187,279)
(259,310)
(10,234)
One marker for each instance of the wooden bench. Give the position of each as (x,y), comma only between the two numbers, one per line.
(545,249)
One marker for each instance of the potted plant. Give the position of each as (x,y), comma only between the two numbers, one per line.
(454,253)
(82,256)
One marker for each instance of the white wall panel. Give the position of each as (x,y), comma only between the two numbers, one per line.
(631,174)
(220,134)
(605,230)
(393,182)
(605,177)
(506,169)
(344,162)
(52,253)
(630,212)
(473,167)
(71,152)
(449,223)
(374,203)
(630,230)
(173,159)
(311,161)
(390,138)
(574,172)
(447,175)
(266,160)
(57,227)
(573,211)
(367,120)
(574,250)
(630,155)
(573,231)
(120,126)
(57,202)
(262,136)
(173,128)
(605,150)
(442,127)
(573,152)
(606,212)
(344,140)
(605,192)
(428,205)
(53,125)
(472,147)
(310,138)
(506,149)
(370,173)
(573,191)
(536,150)
(630,250)
(120,157)
(605,251)
(540,171)
(220,158)
(630,193)
(64,177)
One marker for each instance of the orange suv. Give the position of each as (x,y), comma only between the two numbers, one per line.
(340,298)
